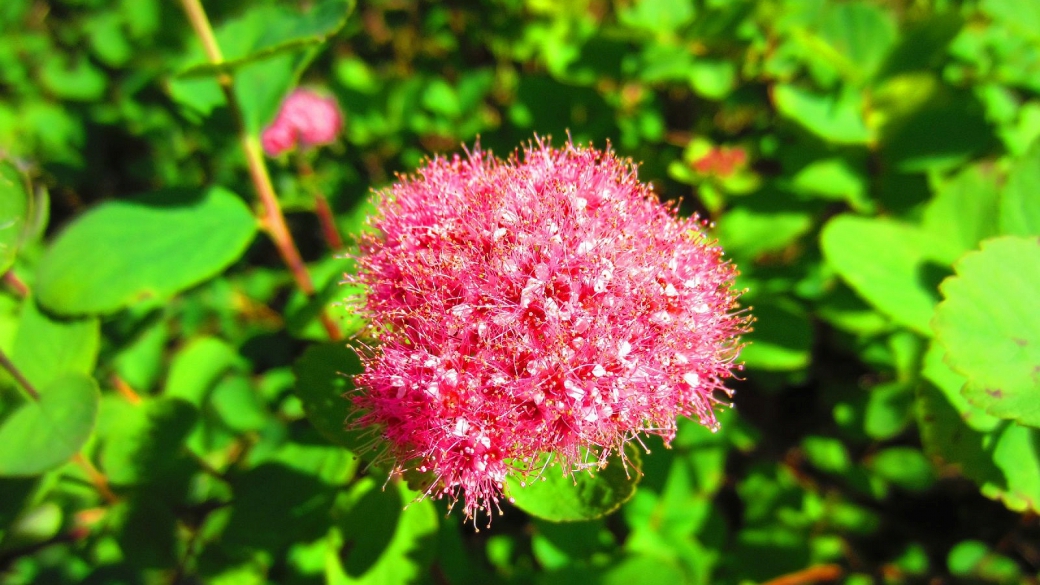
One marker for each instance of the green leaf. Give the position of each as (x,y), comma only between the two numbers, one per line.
(827,454)
(964,211)
(893,266)
(14,213)
(152,246)
(41,435)
(393,547)
(46,348)
(198,366)
(1000,456)
(267,31)
(835,118)
(581,495)
(906,467)
(990,327)
(861,33)
(834,179)
(762,223)
(1020,197)
(323,375)
(267,50)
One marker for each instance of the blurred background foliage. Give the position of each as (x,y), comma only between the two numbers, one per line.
(851,154)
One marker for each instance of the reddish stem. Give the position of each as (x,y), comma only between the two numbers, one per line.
(272,220)
(814,574)
(16,284)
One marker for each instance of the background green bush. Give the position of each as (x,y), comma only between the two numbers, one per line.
(852,155)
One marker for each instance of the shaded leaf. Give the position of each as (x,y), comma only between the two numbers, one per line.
(1002,457)
(323,375)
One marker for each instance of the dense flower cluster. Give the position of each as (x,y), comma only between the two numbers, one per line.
(305,119)
(545,304)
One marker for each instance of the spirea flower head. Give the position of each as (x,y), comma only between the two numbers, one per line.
(305,119)
(544,304)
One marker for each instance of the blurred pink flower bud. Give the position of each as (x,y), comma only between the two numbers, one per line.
(306,119)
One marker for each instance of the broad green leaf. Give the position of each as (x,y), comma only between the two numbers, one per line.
(998,455)
(153,246)
(861,33)
(581,495)
(835,118)
(46,348)
(893,266)
(267,50)
(41,435)
(963,211)
(1020,197)
(990,327)
(323,375)
(389,547)
(267,31)
(14,213)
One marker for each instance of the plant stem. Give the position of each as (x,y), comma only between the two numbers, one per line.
(17,375)
(124,389)
(11,279)
(272,219)
(96,477)
(814,574)
(321,205)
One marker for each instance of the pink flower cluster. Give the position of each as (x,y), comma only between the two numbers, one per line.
(544,304)
(305,119)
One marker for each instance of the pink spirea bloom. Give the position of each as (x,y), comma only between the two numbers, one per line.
(305,119)
(545,304)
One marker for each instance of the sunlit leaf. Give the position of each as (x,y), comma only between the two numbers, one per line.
(581,495)
(41,435)
(149,247)
(990,327)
